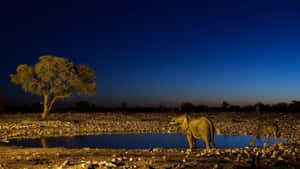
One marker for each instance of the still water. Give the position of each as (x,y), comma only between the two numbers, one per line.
(131,141)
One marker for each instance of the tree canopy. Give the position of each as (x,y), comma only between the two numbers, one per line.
(55,78)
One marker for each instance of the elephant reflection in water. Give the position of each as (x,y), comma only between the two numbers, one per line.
(44,142)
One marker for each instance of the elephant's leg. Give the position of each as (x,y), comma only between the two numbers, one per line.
(276,138)
(194,142)
(268,139)
(206,140)
(190,140)
(213,143)
(252,141)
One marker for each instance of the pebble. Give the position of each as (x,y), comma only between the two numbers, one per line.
(107,164)
(63,164)
(216,166)
(227,158)
(279,158)
(238,158)
(274,154)
(188,151)
(156,150)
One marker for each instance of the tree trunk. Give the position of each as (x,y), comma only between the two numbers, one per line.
(46,110)
(44,142)
(48,105)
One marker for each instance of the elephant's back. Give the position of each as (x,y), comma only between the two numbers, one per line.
(202,121)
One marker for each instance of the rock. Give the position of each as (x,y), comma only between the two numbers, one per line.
(227,158)
(235,151)
(202,154)
(274,154)
(246,152)
(281,146)
(216,166)
(83,165)
(156,150)
(279,158)
(107,164)
(255,149)
(228,150)
(294,156)
(188,151)
(238,158)
(5,140)
(63,164)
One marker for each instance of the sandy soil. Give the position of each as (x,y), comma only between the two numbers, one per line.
(30,126)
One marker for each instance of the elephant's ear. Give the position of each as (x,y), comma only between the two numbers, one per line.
(185,123)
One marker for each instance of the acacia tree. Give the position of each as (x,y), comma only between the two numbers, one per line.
(55,78)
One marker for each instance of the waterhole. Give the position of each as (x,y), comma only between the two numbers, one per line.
(132,141)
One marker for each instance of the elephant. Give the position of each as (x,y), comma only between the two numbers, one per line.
(266,130)
(196,128)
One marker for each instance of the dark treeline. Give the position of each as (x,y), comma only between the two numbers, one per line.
(86,107)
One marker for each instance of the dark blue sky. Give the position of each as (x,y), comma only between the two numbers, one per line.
(152,52)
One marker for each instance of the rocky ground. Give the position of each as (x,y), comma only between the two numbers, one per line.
(67,124)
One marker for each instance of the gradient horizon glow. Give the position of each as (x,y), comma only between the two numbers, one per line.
(161,52)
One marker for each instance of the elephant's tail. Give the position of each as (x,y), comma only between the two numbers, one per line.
(212,130)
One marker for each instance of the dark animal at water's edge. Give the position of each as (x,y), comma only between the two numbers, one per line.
(196,128)
(265,130)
